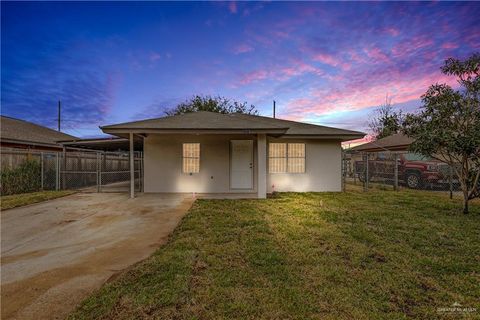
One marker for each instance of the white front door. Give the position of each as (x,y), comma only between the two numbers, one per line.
(241,164)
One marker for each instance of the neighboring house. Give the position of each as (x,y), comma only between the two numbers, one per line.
(16,133)
(206,152)
(395,142)
(413,169)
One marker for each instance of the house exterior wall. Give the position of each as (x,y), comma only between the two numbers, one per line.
(323,169)
(163,165)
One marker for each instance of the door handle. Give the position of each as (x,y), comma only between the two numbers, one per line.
(251,165)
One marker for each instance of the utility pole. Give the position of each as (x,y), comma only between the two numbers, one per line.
(59,110)
(273,109)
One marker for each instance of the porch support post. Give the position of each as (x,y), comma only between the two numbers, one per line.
(132,168)
(262,166)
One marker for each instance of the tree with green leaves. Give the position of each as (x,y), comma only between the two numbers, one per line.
(447,128)
(385,120)
(213,104)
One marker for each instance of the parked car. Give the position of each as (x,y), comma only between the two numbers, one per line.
(414,170)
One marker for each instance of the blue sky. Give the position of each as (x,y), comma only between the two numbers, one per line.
(323,62)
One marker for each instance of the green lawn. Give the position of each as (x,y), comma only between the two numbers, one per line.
(354,255)
(18,200)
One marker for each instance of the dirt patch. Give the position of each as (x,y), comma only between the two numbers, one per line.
(99,221)
(31,254)
(65,222)
(146,210)
(102,246)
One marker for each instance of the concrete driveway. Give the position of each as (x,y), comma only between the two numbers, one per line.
(56,253)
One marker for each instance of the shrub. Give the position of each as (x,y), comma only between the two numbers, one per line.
(25,178)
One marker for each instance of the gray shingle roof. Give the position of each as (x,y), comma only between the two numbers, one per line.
(204,120)
(196,120)
(397,141)
(24,131)
(301,128)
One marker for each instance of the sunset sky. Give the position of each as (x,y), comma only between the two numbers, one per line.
(325,63)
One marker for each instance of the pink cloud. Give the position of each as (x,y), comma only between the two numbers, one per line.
(264,40)
(242,48)
(392,31)
(154,56)
(377,54)
(359,95)
(296,68)
(254,76)
(331,60)
(354,56)
(473,38)
(280,34)
(450,45)
(232,6)
(356,142)
(411,46)
(327,59)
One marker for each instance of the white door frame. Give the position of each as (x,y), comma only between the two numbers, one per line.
(252,187)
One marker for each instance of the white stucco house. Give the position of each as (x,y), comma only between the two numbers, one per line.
(248,155)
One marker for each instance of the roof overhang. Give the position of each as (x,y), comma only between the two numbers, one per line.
(125,132)
(335,137)
(277,132)
(103,144)
(31,143)
(403,147)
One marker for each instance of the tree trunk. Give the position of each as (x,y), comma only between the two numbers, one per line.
(465,203)
(464,183)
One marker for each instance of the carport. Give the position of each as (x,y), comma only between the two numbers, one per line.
(103,148)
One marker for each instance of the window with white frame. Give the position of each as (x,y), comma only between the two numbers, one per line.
(191,158)
(277,157)
(286,157)
(296,157)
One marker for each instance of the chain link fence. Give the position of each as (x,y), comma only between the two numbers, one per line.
(91,171)
(115,172)
(397,170)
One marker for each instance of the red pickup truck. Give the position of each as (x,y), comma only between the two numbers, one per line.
(414,170)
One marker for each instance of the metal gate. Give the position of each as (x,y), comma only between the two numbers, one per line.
(93,171)
(114,175)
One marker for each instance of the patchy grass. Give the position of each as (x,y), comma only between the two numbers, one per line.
(18,200)
(354,255)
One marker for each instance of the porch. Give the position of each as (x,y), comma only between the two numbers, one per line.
(218,164)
